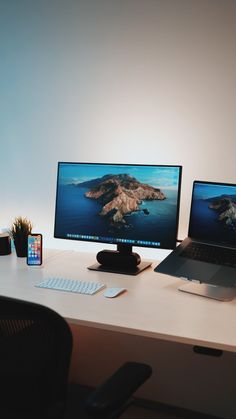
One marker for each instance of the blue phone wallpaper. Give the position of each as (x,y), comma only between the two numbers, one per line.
(34,256)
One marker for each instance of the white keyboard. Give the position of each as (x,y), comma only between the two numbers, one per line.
(71,285)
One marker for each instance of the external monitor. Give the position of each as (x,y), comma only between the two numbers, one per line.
(122,204)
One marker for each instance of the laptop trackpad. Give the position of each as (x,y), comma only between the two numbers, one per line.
(192,269)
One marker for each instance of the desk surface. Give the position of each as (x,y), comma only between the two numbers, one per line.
(152,307)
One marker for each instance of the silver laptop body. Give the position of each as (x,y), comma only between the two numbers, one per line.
(212,231)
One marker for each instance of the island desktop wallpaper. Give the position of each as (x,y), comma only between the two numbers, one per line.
(118,203)
(213,213)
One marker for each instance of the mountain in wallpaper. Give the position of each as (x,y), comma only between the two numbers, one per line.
(225,205)
(120,195)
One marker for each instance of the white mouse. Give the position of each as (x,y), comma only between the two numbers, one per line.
(113,292)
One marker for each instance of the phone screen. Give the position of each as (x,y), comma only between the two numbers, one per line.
(34,253)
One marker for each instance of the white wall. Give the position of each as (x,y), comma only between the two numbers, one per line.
(127,81)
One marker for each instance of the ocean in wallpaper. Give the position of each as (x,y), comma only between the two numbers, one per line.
(213,216)
(106,202)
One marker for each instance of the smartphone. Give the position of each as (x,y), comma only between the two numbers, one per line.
(35,250)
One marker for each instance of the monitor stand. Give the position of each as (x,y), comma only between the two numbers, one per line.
(215,292)
(122,261)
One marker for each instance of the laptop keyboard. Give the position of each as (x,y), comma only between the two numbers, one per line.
(210,254)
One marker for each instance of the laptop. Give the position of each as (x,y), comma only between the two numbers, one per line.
(208,254)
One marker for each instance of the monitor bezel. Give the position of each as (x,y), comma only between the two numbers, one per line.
(114,242)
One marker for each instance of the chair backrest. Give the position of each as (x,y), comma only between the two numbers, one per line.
(35,351)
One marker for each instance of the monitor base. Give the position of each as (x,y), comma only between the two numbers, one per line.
(210,291)
(120,270)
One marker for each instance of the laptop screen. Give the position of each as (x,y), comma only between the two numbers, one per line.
(213,213)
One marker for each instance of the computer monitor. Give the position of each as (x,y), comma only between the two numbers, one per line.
(122,204)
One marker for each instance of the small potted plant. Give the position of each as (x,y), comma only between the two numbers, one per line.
(19,231)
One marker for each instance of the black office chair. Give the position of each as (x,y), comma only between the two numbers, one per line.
(35,352)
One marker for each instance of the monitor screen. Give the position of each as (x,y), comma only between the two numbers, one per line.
(125,204)
(212,216)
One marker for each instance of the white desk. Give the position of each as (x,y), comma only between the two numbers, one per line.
(152,322)
(152,305)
